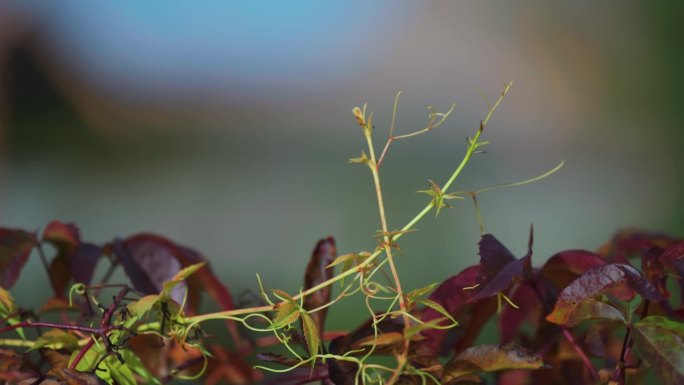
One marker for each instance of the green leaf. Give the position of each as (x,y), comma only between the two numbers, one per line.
(8,308)
(137,366)
(417,293)
(661,343)
(56,339)
(311,334)
(111,370)
(181,276)
(488,358)
(592,309)
(348,257)
(141,307)
(286,314)
(436,307)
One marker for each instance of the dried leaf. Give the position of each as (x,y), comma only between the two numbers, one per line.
(73,377)
(489,358)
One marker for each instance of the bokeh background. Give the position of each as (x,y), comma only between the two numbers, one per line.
(227,125)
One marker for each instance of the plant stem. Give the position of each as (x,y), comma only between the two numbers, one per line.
(387,241)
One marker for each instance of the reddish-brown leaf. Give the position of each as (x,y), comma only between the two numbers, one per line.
(15,248)
(529,309)
(454,295)
(565,266)
(673,258)
(323,254)
(631,242)
(594,282)
(75,260)
(15,367)
(499,268)
(73,377)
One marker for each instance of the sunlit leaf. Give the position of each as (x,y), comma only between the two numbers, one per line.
(56,339)
(15,248)
(488,358)
(591,309)
(138,309)
(661,343)
(8,310)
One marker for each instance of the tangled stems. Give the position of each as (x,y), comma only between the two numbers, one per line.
(388,238)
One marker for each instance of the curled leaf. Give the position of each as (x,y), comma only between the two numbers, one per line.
(323,255)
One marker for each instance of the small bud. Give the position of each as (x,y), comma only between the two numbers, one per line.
(358,114)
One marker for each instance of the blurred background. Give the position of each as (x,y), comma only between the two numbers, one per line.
(227,126)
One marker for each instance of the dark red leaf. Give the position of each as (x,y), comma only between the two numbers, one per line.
(642,286)
(15,248)
(565,266)
(83,261)
(596,281)
(148,248)
(632,242)
(494,257)
(323,254)
(499,268)
(673,257)
(74,260)
(150,259)
(511,318)
(148,265)
(454,295)
(64,236)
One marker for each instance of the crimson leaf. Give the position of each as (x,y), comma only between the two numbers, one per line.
(499,267)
